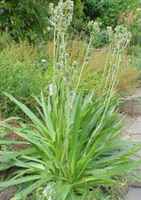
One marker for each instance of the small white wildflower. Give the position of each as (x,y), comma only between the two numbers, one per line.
(138,9)
(43,60)
(48,28)
(52,89)
(75,63)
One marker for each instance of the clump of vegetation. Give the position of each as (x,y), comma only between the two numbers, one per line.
(21,74)
(29,19)
(108,11)
(5,40)
(92,158)
(23,19)
(74,149)
(134,26)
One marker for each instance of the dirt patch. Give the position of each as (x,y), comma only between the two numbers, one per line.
(8,193)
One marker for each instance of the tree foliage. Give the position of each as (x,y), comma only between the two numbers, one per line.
(28,18)
(108,11)
(23,18)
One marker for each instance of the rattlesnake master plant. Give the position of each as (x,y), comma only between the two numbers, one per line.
(74,150)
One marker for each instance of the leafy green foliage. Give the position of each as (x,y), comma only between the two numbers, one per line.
(108,11)
(78,18)
(23,19)
(74,149)
(29,18)
(5,40)
(136,29)
(22,73)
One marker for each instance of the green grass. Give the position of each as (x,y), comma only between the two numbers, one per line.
(22,73)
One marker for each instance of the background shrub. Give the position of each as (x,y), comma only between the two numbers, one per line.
(21,74)
(5,40)
(29,18)
(78,17)
(23,18)
(108,10)
(135,28)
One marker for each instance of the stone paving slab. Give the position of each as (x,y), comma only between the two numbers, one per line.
(132,131)
(134,194)
(132,127)
(132,104)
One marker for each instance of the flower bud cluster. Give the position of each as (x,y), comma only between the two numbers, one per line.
(61,15)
